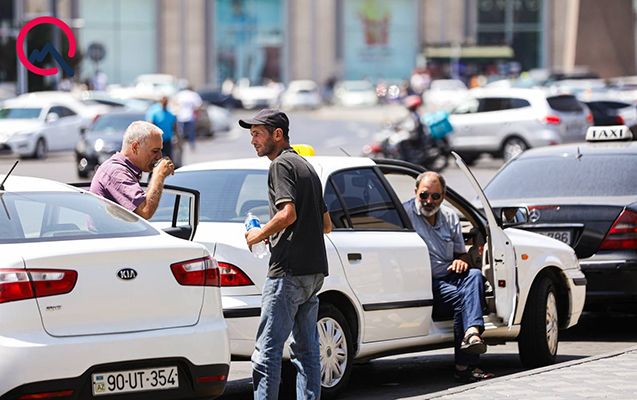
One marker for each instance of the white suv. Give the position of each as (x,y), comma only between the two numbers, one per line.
(505,122)
(378,299)
(96,302)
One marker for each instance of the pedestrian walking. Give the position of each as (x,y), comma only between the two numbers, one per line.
(189,103)
(159,115)
(117,179)
(298,261)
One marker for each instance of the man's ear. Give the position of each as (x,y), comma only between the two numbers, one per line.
(278,134)
(135,147)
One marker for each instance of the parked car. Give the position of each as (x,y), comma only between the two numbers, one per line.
(609,112)
(377,299)
(30,128)
(96,301)
(158,85)
(301,94)
(591,205)
(216,97)
(97,97)
(104,138)
(220,118)
(88,111)
(257,96)
(355,94)
(445,94)
(505,123)
(623,89)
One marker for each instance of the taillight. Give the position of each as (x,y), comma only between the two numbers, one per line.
(552,120)
(232,275)
(589,118)
(47,395)
(619,120)
(623,234)
(199,272)
(20,284)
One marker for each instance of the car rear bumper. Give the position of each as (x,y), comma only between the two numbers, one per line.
(612,281)
(38,357)
(242,315)
(190,387)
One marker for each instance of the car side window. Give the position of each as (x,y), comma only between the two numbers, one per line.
(468,106)
(518,103)
(367,203)
(335,208)
(490,104)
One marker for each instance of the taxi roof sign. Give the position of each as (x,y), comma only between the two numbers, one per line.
(304,149)
(608,133)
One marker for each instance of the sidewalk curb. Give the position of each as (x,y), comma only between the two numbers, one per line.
(464,388)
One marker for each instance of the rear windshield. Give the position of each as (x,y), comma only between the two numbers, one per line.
(117,123)
(564,103)
(227,195)
(47,217)
(589,176)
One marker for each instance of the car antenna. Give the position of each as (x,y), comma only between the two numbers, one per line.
(578,155)
(10,171)
(343,150)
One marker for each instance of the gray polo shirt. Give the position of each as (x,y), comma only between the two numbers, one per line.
(444,239)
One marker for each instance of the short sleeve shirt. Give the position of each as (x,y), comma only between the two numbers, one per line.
(117,179)
(444,239)
(164,119)
(299,249)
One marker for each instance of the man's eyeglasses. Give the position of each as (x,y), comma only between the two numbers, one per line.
(425,195)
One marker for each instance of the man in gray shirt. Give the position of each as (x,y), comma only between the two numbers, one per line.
(454,284)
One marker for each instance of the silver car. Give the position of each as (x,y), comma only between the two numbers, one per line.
(504,123)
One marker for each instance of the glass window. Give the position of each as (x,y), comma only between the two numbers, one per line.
(467,107)
(335,208)
(226,195)
(367,202)
(20,113)
(538,177)
(116,122)
(38,217)
(518,103)
(564,103)
(527,11)
(490,104)
(491,11)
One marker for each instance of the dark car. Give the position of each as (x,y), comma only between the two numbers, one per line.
(607,112)
(104,138)
(584,195)
(217,98)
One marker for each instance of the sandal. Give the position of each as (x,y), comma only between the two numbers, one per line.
(475,347)
(472,374)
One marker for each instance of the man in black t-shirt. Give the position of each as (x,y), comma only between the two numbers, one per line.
(298,264)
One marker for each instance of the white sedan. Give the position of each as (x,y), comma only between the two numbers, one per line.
(378,298)
(95,301)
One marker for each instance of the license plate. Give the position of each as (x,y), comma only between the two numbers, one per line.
(562,236)
(135,381)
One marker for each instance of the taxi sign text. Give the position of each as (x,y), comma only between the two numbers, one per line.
(608,133)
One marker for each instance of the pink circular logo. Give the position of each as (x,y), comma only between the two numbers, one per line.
(48,48)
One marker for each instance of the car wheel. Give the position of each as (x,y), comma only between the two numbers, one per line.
(40,150)
(336,349)
(512,147)
(538,338)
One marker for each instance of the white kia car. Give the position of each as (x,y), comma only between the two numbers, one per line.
(377,299)
(96,302)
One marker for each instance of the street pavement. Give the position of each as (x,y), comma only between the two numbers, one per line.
(607,376)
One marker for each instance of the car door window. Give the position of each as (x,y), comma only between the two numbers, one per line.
(335,207)
(367,203)
(490,104)
(469,106)
(514,103)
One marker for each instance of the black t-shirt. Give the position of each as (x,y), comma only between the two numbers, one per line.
(299,249)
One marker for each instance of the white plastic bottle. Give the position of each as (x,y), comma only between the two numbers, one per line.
(260,249)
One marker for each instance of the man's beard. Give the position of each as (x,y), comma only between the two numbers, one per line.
(428,213)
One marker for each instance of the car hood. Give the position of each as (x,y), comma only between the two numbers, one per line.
(10,127)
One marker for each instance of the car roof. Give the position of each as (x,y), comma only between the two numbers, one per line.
(17,183)
(24,102)
(584,148)
(323,165)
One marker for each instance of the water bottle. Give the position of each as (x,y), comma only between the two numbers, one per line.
(260,249)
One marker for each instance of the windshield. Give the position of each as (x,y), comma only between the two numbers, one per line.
(115,122)
(227,195)
(20,113)
(589,176)
(55,216)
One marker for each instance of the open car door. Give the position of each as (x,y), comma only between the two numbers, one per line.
(178,211)
(499,255)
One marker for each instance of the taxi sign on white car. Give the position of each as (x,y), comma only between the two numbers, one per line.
(608,133)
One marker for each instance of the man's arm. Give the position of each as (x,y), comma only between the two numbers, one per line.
(148,207)
(281,220)
(460,263)
(327,222)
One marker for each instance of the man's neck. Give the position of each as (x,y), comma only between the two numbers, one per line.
(432,219)
(278,151)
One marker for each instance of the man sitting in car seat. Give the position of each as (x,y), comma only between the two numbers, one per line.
(454,284)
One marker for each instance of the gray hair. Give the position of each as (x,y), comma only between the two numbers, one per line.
(433,175)
(139,131)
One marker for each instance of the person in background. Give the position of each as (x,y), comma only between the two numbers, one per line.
(117,179)
(189,103)
(159,115)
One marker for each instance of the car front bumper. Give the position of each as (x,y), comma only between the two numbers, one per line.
(610,281)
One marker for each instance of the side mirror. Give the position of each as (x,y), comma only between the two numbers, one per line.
(83,131)
(514,216)
(52,117)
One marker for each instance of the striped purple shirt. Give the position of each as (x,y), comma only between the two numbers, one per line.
(118,180)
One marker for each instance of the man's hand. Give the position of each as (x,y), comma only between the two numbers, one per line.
(164,167)
(253,236)
(458,266)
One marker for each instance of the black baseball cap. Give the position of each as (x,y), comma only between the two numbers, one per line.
(268,116)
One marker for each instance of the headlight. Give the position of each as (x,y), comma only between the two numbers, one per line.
(99,145)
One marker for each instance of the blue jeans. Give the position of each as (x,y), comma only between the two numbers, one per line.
(188,130)
(289,305)
(464,293)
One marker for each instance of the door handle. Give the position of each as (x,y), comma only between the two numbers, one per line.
(354,256)
(498,260)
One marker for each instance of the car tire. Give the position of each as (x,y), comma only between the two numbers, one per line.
(538,338)
(336,349)
(512,147)
(40,150)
